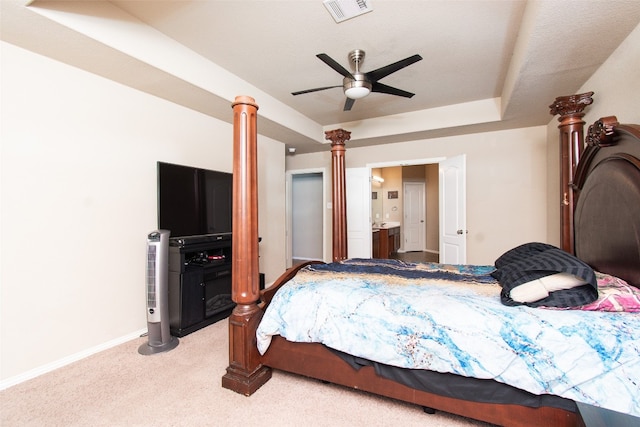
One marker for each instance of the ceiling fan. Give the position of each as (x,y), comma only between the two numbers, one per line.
(357,85)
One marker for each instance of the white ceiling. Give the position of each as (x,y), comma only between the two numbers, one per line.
(486,64)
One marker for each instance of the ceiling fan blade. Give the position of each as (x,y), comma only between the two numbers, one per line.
(348,104)
(382,88)
(300,92)
(376,75)
(333,64)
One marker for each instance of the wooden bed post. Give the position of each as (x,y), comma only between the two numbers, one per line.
(571,128)
(245,373)
(339,196)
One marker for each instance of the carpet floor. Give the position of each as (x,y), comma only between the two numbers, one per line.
(182,387)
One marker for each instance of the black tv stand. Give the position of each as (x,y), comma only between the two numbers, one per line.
(199,282)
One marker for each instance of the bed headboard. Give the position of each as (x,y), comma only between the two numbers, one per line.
(607,210)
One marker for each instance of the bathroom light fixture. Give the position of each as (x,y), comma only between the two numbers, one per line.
(377,179)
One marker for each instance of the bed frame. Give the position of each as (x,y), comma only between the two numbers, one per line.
(611,156)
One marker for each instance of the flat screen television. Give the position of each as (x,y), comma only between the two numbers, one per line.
(194,201)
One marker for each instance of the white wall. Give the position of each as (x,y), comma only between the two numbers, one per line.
(506,183)
(616,87)
(78,197)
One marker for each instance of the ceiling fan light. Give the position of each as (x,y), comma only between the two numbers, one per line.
(357,92)
(356,87)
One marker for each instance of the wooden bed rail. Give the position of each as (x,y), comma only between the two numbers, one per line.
(267,295)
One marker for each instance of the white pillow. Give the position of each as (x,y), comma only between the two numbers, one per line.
(538,289)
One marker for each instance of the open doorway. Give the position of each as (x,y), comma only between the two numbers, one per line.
(409,195)
(451,204)
(305,216)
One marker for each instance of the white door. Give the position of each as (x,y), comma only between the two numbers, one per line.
(414,216)
(358,194)
(453,220)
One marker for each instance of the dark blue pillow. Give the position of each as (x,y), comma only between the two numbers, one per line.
(535,260)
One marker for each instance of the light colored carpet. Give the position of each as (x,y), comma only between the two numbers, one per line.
(182,387)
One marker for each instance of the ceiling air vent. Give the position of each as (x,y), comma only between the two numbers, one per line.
(341,10)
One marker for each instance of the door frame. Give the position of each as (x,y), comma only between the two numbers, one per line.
(289,211)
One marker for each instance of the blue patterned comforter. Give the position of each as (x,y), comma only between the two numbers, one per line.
(449,318)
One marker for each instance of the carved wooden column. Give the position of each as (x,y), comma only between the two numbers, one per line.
(571,128)
(245,373)
(339,196)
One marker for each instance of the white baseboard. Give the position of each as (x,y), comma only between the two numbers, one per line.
(33,373)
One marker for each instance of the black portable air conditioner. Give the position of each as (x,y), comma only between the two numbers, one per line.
(159,337)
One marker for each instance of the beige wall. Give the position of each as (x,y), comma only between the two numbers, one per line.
(616,87)
(392,208)
(78,181)
(506,183)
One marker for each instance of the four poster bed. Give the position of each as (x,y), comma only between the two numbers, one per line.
(413,346)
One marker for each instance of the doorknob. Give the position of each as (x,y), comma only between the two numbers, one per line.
(462,231)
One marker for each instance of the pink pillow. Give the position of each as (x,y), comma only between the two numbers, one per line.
(614,294)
